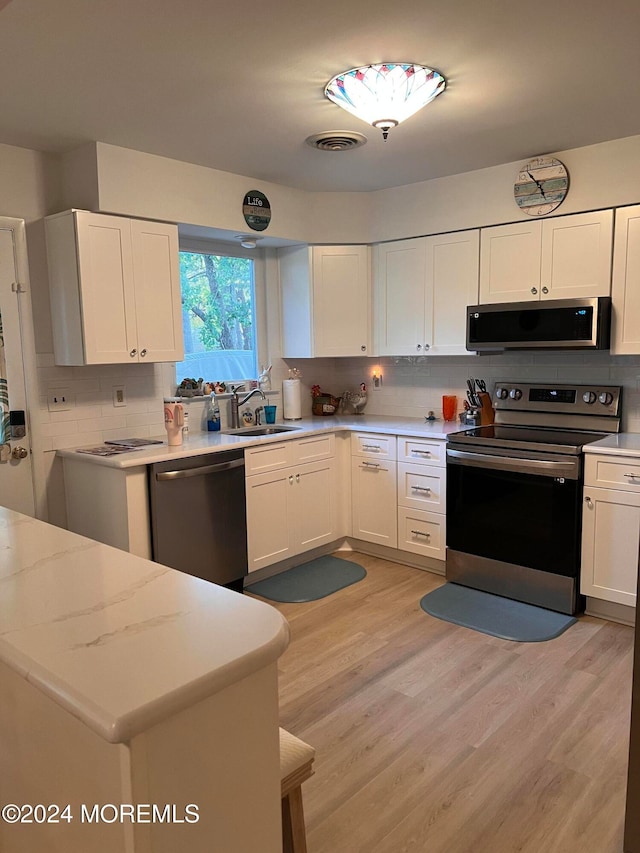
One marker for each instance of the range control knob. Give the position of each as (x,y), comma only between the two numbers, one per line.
(502,393)
(515,394)
(606,398)
(589,397)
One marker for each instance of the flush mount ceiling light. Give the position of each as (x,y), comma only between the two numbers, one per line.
(386,94)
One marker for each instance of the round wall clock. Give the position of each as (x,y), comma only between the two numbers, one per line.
(541,186)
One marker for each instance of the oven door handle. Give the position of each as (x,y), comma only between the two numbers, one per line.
(519,465)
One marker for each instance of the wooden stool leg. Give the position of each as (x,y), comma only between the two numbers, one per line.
(294,838)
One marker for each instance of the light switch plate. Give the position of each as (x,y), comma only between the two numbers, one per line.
(119,396)
(60,400)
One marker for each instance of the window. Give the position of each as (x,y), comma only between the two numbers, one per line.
(218,317)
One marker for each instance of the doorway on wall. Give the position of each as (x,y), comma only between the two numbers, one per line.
(16,464)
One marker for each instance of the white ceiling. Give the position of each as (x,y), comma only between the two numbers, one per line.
(238,86)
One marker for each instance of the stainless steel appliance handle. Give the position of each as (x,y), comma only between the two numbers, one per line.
(517,464)
(198,472)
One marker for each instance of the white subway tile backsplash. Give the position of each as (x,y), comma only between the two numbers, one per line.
(61,428)
(81,439)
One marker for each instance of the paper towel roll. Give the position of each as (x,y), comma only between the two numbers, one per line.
(291,403)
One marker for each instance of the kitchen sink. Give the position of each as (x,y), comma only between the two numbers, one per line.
(260,430)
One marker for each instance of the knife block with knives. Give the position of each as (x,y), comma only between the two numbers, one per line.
(487,415)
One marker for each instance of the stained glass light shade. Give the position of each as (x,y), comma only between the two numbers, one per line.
(384,95)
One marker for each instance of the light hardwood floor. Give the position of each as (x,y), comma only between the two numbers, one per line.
(436,739)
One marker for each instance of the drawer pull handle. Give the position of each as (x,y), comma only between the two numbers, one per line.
(632,476)
(375,447)
(371,464)
(421,489)
(421,452)
(421,533)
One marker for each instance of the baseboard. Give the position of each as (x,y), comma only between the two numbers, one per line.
(292,562)
(394,555)
(414,561)
(611,611)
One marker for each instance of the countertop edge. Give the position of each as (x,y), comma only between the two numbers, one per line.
(385,424)
(122,729)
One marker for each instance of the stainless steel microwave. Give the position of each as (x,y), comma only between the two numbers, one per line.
(552,324)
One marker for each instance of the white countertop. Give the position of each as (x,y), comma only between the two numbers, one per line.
(623,444)
(199,443)
(118,641)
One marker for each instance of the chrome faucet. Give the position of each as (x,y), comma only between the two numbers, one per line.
(236,403)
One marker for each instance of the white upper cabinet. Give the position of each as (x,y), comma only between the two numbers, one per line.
(400,297)
(422,288)
(576,255)
(625,326)
(326,301)
(115,289)
(510,262)
(452,284)
(561,258)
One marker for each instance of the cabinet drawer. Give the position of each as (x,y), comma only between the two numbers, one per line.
(373,444)
(267,457)
(421,532)
(612,472)
(313,449)
(425,451)
(421,487)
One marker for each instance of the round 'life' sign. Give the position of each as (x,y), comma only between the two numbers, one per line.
(256,210)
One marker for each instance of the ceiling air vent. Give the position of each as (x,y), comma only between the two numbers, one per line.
(336,140)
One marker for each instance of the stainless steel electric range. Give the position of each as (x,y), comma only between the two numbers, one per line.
(514,491)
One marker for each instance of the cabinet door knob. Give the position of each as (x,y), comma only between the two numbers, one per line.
(419,347)
(363,348)
(19,452)
(297,478)
(291,479)
(545,290)
(133,353)
(143,352)
(588,501)
(534,290)
(426,347)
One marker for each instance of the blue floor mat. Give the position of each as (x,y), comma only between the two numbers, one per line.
(310,581)
(495,615)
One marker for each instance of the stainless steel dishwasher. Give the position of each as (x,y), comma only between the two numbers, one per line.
(198,516)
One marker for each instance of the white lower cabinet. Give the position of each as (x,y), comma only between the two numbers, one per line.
(422,497)
(611,528)
(373,501)
(373,488)
(292,508)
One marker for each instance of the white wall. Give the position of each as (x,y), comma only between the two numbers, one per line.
(145,185)
(603,175)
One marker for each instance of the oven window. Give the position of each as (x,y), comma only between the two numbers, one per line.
(523,519)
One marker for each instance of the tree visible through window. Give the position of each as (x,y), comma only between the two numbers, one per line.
(218,317)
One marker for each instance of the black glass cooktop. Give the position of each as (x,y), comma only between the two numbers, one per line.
(522,437)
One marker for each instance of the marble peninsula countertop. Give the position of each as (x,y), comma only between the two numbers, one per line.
(621,444)
(118,641)
(200,443)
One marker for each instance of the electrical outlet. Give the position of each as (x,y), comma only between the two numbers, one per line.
(119,397)
(60,400)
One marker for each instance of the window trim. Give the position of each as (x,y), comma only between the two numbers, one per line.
(215,247)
